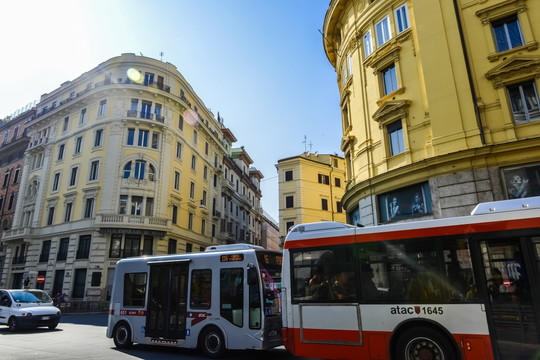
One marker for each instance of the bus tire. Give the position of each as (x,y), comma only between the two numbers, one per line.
(212,343)
(424,343)
(122,335)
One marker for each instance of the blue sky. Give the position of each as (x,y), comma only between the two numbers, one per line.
(259,63)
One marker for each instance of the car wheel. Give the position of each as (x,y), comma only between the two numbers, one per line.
(122,336)
(53,326)
(424,343)
(212,343)
(13,324)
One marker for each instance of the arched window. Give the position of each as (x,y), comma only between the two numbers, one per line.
(151,173)
(127,170)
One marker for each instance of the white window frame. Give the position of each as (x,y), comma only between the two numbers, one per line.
(382,31)
(368,43)
(401,17)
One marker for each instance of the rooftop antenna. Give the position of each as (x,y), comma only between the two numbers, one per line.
(161,55)
(305,143)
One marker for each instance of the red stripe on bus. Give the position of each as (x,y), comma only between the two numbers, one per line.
(416,233)
(375,344)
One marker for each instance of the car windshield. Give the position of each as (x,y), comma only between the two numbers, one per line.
(31,297)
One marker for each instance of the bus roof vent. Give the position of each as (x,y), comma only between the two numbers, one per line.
(506,205)
(232,247)
(318,226)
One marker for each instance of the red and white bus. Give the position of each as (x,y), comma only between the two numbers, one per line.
(227,297)
(453,288)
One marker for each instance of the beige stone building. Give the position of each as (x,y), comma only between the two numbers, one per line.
(125,160)
(439,103)
(311,186)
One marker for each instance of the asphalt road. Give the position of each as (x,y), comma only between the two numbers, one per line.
(82,336)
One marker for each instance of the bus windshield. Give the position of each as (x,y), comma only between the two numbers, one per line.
(270,267)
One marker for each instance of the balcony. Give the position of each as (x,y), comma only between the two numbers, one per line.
(123,221)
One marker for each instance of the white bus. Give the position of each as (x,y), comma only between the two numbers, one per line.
(227,297)
(455,288)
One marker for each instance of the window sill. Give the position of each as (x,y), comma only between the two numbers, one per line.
(531,46)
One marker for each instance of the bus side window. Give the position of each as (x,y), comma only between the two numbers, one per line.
(201,289)
(134,289)
(232,295)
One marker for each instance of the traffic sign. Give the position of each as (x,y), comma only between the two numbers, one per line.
(40,279)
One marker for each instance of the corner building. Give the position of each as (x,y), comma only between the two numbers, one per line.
(124,160)
(439,104)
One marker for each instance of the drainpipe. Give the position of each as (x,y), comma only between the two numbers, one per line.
(469,74)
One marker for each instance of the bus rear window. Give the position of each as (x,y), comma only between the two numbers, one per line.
(134,289)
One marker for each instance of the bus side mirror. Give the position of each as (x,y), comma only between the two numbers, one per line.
(251,275)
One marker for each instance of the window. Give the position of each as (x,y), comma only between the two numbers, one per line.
(66,124)
(193,162)
(131,136)
(6,180)
(368,46)
(382,31)
(337,182)
(94,170)
(82,117)
(524,102)
(11,200)
(136,205)
(339,207)
(155,140)
(402,18)
(134,289)
(195,136)
(176,180)
(83,251)
(192,190)
(148,79)
(122,205)
(61,149)
(50,218)
(102,108)
(324,179)
(349,65)
(200,297)
(174,215)
(78,145)
(127,170)
(179,150)
(45,251)
(395,138)
(190,221)
(289,225)
(507,33)
(324,204)
(288,175)
(132,245)
(171,248)
(389,79)
(67,214)
(180,122)
(143,138)
(16,176)
(151,173)
(231,286)
(96,278)
(289,202)
(89,208)
(139,169)
(189,247)
(63,249)
(205,173)
(98,139)
(206,148)
(73,177)
(149,209)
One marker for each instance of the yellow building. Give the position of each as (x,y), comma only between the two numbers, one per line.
(439,103)
(310,189)
(125,160)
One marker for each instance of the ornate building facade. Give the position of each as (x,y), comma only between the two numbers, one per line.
(439,103)
(125,160)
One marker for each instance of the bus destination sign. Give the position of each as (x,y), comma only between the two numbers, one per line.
(232,257)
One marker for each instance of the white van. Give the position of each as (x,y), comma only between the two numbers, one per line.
(21,308)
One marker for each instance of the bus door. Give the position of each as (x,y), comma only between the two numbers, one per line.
(510,267)
(167,299)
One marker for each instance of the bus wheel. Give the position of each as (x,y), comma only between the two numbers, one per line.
(122,336)
(211,342)
(422,343)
